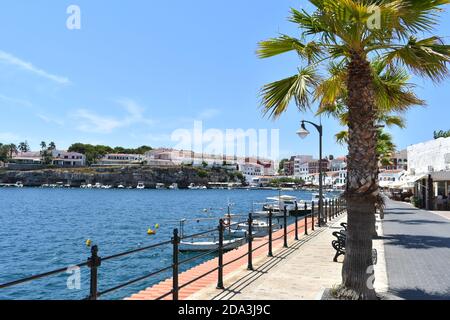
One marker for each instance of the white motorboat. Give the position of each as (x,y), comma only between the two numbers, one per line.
(140,186)
(98,185)
(260,228)
(276,203)
(120,186)
(160,186)
(195,246)
(19,184)
(192,186)
(236,233)
(316,197)
(173,186)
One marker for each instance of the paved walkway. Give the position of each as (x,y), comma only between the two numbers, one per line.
(417,250)
(319,266)
(300,272)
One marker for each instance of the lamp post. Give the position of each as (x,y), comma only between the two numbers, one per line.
(303,133)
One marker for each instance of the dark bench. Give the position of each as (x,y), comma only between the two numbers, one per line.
(339,245)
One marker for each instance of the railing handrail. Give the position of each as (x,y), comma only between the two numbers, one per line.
(337,207)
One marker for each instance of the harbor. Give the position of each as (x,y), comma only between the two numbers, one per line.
(115,221)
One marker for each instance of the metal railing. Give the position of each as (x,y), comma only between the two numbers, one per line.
(333,209)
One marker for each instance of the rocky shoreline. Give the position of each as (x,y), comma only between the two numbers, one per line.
(127,176)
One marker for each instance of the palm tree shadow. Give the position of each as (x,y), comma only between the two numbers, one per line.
(420,294)
(416,242)
(418,222)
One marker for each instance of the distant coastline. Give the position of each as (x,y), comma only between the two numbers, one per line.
(183,176)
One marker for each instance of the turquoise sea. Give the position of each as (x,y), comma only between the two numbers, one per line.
(46,229)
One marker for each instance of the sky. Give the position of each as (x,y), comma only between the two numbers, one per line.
(140,70)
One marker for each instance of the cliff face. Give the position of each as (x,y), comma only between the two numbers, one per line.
(183,176)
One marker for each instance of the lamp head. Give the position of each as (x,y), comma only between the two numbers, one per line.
(303,132)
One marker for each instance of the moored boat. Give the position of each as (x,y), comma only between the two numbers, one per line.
(196,246)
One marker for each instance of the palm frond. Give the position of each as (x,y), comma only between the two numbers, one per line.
(342,137)
(276,96)
(284,44)
(427,57)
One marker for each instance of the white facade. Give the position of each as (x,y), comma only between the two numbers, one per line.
(68,159)
(121,159)
(301,170)
(430,156)
(392,178)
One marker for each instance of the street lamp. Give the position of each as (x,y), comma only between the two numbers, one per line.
(303,133)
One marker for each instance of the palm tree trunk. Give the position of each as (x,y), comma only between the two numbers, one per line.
(362,185)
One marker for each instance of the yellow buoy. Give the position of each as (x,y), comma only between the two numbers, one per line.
(151,232)
(157,226)
(88,243)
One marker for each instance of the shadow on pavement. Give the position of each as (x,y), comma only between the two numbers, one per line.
(417,222)
(416,241)
(419,294)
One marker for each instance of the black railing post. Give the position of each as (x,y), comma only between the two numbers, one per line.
(326,210)
(331,209)
(250,242)
(296,222)
(93,263)
(175,242)
(312,215)
(220,270)
(306,219)
(270,233)
(285,227)
(333,206)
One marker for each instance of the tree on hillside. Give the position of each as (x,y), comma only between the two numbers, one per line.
(348,34)
(12,148)
(52,146)
(441,134)
(23,147)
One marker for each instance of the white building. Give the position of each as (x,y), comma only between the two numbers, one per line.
(301,170)
(429,171)
(430,156)
(68,159)
(392,179)
(251,170)
(118,159)
(59,158)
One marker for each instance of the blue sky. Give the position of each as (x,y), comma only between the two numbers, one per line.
(138,70)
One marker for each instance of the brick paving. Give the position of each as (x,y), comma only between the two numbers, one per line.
(417,251)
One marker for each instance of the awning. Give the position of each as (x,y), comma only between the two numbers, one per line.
(441,176)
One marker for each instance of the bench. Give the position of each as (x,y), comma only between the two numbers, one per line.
(339,245)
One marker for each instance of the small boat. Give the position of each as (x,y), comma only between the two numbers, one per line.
(160,186)
(260,228)
(316,197)
(19,184)
(98,185)
(196,246)
(140,186)
(173,186)
(192,186)
(120,186)
(278,203)
(236,233)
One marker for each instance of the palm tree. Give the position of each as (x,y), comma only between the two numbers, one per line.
(348,34)
(24,147)
(43,145)
(12,150)
(52,146)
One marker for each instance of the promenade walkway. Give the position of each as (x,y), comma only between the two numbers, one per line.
(313,270)
(300,272)
(417,250)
